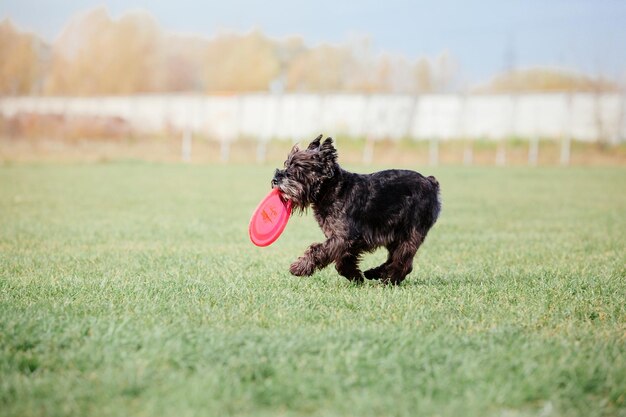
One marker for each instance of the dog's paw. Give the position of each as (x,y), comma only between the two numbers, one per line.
(374,273)
(302,267)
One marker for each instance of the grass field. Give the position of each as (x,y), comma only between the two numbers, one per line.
(131,289)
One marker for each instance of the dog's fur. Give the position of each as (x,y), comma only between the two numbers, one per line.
(358,213)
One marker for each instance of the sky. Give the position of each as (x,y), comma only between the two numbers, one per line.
(484,37)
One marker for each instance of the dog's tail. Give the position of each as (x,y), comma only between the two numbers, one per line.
(433,181)
(436,209)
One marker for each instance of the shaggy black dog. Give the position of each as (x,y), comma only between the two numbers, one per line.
(358,213)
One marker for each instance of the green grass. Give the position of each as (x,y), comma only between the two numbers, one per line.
(131,289)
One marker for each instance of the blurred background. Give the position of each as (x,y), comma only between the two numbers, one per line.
(447,82)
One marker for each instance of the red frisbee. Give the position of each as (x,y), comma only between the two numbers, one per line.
(269,219)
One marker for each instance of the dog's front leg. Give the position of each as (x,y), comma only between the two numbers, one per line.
(317,256)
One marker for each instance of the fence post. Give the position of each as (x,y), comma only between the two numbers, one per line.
(501,153)
(533,151)
(186,145)
(261,151)
(565,149)
(468,152)
(533,145)
(368,150)
(433,154)
(566,138)
(224,150)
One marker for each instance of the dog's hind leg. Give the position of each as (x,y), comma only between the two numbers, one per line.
(381,270)
(348,267)
(377,272)
(402,260)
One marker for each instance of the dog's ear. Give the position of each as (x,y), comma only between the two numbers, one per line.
(328,151)
(313,146)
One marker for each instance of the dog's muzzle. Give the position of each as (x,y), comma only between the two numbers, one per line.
(278,176)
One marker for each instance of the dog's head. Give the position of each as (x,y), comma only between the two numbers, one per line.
(306,171)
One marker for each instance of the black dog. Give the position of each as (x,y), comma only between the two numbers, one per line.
(358,213)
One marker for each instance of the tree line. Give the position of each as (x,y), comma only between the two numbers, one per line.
(98,55)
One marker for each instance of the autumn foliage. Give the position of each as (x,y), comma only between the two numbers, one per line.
(98,55)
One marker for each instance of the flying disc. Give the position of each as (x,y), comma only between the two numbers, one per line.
(269,219)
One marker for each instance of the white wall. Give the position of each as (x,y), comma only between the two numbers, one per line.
(581,116)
